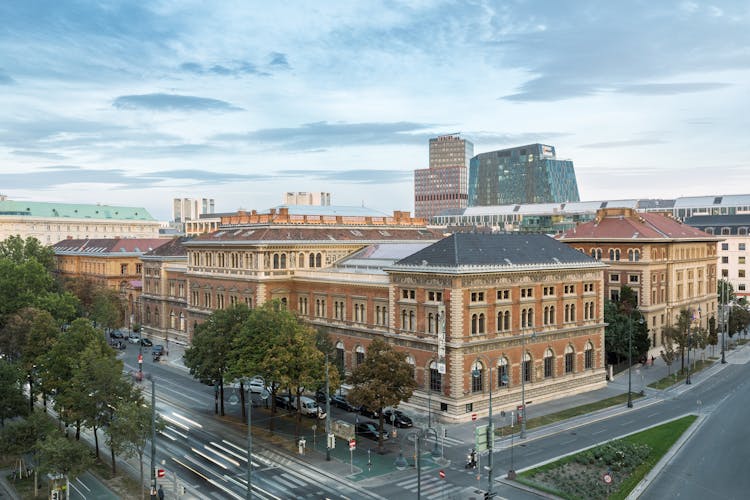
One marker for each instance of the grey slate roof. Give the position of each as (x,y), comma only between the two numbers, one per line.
(703,221)
(462,250)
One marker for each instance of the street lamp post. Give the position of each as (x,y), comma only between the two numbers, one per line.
(153,437)
(476,373)
(630,358)
(329,437)
(687,333)
(263,395)
(522,434)
(723,312)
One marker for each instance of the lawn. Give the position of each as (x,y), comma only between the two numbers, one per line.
(681,375)
(626,461)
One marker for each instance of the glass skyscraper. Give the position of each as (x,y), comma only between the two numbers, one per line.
(525,174)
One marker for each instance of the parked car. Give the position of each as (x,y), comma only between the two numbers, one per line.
(256,385)
(367,412)
(282,401)
(369,430)
(321,396)
(134,339)
(340,401)
(308,407)
(157,350)
(146,342)
(397,418)
(116,334)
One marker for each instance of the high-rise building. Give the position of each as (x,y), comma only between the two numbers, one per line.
(443,185)
(525,174)
(184,209)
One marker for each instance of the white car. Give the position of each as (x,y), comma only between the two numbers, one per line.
(134,339)
(256,385)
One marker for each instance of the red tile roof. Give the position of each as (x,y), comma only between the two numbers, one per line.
(253,234)
(621,224)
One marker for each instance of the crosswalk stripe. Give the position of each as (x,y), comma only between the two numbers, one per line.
(448,441)
(293,479)
(283,481)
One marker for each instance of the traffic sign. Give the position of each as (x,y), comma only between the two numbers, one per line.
(473,417)
(607,478)
(352,444)
(140,358)
(442,474)
(160,473)
(480,438)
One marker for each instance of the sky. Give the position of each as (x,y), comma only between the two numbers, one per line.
(135,103)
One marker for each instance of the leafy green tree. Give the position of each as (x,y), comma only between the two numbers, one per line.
(97,385)
(12,399)
(713,337)
(385,378)
(130,428)
(625,326)
(739,319)
(59,455)
(19,438)
(18,250)
(108,310)
(210,354)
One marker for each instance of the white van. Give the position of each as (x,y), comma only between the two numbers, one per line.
(309,407)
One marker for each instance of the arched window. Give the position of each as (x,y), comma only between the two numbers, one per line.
(506,321)
(523,318)
(360,355)
(148,315)
(340,355)
(412,362)
(283,261)
(572,312)
(404,320)
(436,379)
(275,261)
(480,326)
(182,322)
(301,260)
(157,322)
(318,260)
(503,377)
(311,260)
(477,377)
(569,359)
(429,323)
(588,356)
(526,365)
(549,363)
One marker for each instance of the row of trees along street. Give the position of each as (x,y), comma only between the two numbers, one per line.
(238,343)
(624,320)
(52,349)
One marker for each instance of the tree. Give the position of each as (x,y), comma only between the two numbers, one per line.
(625,326)
(713,337)
(99,385)
(383,379)
(59,455)
(18,250)
(12,400)
(739,319)
(130,428)
(107,310)
(679,334)
(20,437)
(668,354)
(208,358)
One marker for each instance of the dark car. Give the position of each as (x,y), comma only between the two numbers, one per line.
(367,412)
(340,401)
(146,342)
(158,350)
(116,334)
(283,402)
(369,430)
(397,418)
(320,396)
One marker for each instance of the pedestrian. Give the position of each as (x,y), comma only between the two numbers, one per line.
(653,358)
(160,493)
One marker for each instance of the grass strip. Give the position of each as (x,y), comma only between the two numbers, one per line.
(680,375)
(659,439)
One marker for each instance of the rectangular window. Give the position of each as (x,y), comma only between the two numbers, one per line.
(741,287)
(725,246)
(741,273)
(548,290)
(633,278)
(614,278)
(138,268)
(477,296)
(123,269)
(741,260)
(435,296)
(742,247)
(725,259)
(408,294)
(503,294)
(527,293)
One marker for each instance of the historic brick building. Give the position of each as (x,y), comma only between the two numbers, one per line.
(670,265)
(469,301)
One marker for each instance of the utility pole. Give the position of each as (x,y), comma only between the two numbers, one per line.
(328,415)
(490,440)
(153,437)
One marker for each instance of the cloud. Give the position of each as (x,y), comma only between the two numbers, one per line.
(38,154)
(318,135)
(670,88)
(624,143)
(358,176)
(5,78)
(235,68)
(278,60)
(172,102)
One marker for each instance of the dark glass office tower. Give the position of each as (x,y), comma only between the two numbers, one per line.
(526,174)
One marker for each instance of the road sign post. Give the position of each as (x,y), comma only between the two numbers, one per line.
(352,447)
(480,438)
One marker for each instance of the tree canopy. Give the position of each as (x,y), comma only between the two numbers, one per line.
(383,379)
(625,324)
